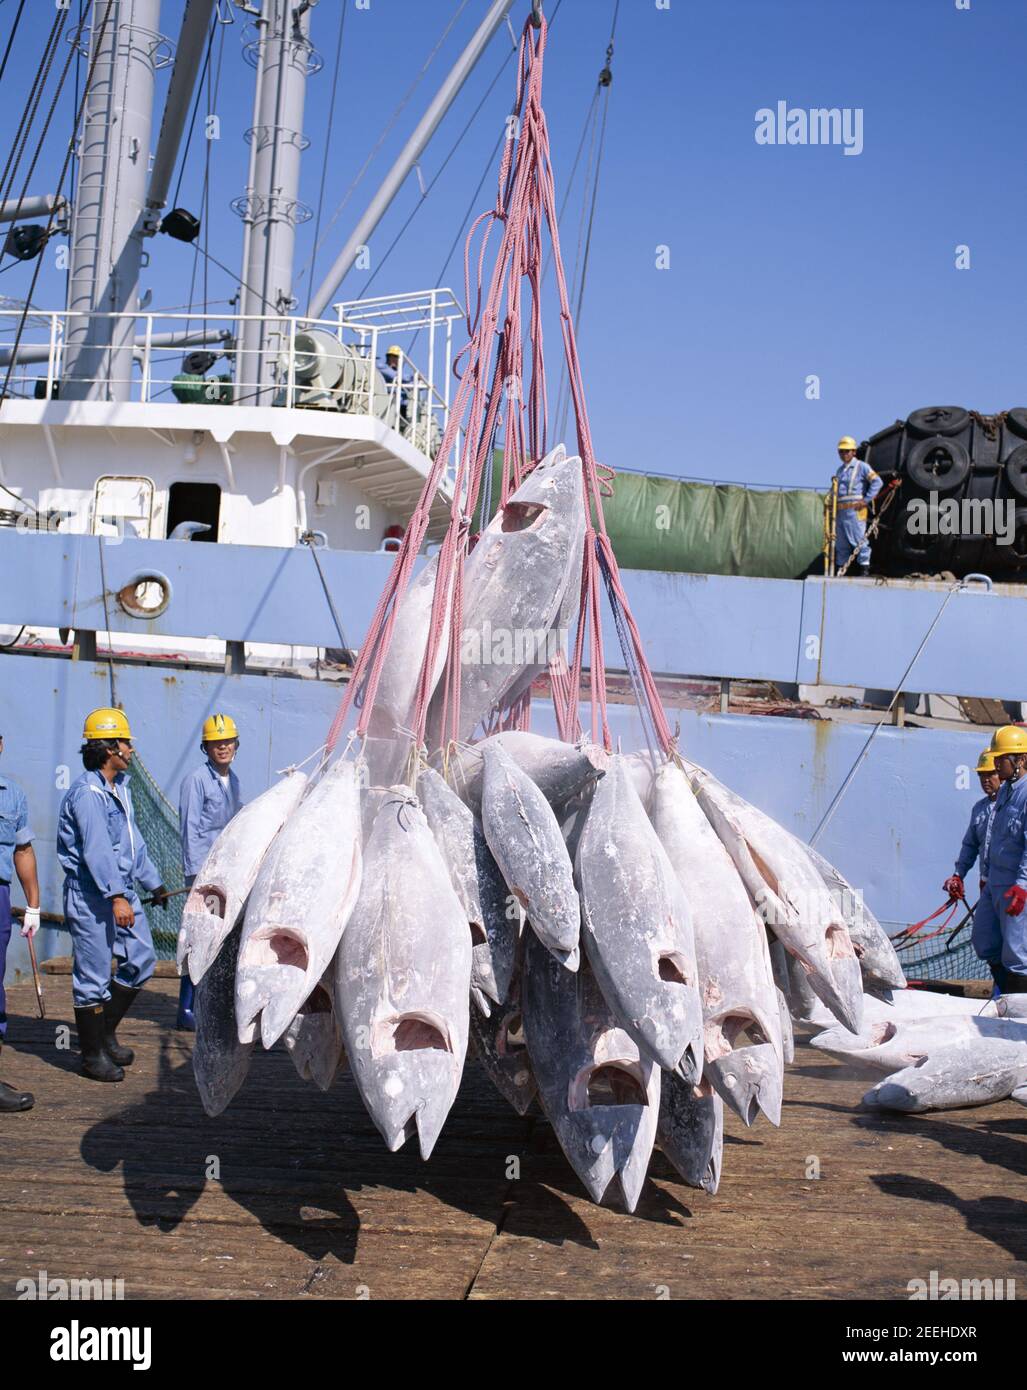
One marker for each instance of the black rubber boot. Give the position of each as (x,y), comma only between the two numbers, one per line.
(999,974)
(1015,984)
(114,1010)
(864,571)
(11,1100)
(92,1034)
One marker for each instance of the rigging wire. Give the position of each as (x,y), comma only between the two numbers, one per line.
(324,162)
(382,138)
(59,190)
(28,114)
(10,40)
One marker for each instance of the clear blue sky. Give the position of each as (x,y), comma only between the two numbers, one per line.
(784,261)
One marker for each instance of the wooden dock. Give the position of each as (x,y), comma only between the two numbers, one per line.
(112,1182)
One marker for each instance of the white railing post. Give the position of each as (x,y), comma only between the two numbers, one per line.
(147,345)
(290,390)
(51,358)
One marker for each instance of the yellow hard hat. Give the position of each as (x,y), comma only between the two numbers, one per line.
(217,727)
(847,442)
(106,724)
(986,762)
(1011,738)
(393,351)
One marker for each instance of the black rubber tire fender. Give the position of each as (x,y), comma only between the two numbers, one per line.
(1016,421)
(1016,471)
(934,420)
(922,462)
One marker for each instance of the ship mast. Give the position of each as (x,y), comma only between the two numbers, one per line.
(107,227)
(271,209)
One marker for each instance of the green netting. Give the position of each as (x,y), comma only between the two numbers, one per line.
(158,821)
(933,960)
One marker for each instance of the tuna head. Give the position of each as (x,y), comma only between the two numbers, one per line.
(790,896)
(691,1131)
(741,1022)
(313,1039)
(515,580)
(402,979)
(637,927)
(300,904)
(216,899)
(525,839)
(220,1060)
(478,884)
(559,770)
(891,1044)
(970,1071)
(878,961)
(599,1092)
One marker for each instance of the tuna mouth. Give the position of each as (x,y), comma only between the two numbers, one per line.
(277,946)
(209,899)
(672,968)
(478,937)
(412,1032)
(882,1033)
(511,1036)
(839,945)
(606,1084)
(318,1003)
(522,516)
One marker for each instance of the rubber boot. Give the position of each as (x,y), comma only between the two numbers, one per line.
(864,571)
(92,1034)
(1015,984)
(999,974)
(114,1010)
(11,1100)
(186,1022)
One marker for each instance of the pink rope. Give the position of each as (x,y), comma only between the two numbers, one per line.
(525,206)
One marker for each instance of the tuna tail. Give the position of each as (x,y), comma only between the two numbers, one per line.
(750,1079)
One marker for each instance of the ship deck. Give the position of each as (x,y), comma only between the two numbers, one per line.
(111,1182)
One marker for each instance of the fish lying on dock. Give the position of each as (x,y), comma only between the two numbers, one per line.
(229,871)
(970,1071)
(887,1046)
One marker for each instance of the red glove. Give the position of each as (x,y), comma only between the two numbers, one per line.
(1016,897)
(954,887)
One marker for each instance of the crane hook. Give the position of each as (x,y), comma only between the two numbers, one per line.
(536,13)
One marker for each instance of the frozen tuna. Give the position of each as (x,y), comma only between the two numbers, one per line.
(220,1060)
(691,1131)
(878,961)
(907,1004)
(403,977)
(741,1025)
(599,1092)
(789,894)
(637,927)
(515,580)
(559,770)
(216,899)
(396,696)
(525,838)
(300,904)
(971,1071)
(890,1046)
(493,920)
(313,1039)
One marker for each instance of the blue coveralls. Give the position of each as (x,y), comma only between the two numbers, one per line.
(102,852)
(855,479)
(14,834)
(997,937)
(205,806)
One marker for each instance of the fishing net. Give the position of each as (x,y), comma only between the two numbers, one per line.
(935,960)
(158,822)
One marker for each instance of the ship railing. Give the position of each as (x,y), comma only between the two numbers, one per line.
(143,357)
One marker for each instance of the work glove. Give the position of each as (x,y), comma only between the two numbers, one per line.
(160,897)
(954,887)
(30,922)
(1016,897)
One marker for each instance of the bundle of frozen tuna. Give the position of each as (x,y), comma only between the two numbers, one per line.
(596,924)
(942,1052)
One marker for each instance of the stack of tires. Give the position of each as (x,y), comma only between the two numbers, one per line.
(942,454)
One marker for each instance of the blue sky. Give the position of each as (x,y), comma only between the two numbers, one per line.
(785,261)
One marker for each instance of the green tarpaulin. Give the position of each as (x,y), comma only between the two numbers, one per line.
(710,528)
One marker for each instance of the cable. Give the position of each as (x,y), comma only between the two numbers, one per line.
(327,151)
(10,40)
(28,114)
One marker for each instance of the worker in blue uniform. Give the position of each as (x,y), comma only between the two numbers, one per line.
(972,847)
(104,856)
(208,799)
(1000,922)
(858,485)
(16,856)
